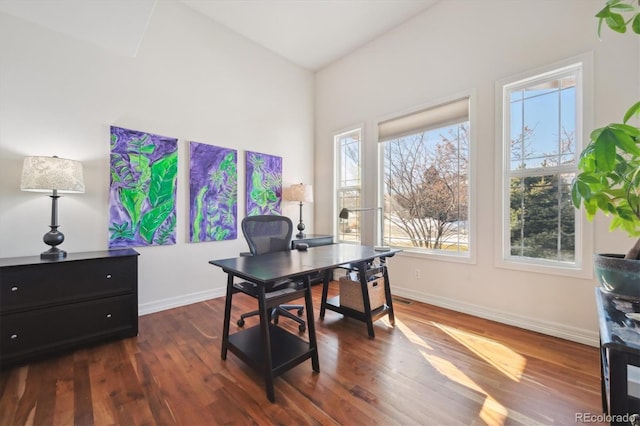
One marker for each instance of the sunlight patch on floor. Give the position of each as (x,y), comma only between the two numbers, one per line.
(413,337)
(492,412)
(502,358)
(497,355)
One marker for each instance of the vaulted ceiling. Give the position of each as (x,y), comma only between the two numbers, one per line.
(310,33)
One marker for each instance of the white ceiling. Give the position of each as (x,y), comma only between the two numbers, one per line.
(310,33)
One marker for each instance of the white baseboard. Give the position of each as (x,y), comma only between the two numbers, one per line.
(587,337)
(174,302)
(562,331)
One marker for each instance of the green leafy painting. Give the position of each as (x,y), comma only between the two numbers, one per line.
(263,183)
(142,196)
(213,193)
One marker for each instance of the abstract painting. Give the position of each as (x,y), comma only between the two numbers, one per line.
(213,193)
(264,183)
(142,196)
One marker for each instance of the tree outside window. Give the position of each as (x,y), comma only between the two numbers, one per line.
(426,183)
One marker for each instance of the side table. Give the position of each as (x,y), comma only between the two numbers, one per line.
(619,348)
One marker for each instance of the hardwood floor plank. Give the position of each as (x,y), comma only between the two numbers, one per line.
(435,367)
(82,401)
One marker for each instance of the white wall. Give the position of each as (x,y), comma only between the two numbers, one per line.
(192,80)
(456,46)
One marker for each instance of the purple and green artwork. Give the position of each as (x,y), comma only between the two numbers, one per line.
(264,183)
(142,196)
(213,193)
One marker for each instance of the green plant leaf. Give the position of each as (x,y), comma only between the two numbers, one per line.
(615,21)
(624,137)
(132,200)
(199,217)
(635,108)
(635,24)
(163,179)
(622,7)
(152,220)
(140,164)
(605,150)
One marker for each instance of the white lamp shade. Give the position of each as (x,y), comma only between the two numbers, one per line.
(43,174)
(300,192)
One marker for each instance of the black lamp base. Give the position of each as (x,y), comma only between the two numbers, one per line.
(300,225)
(53,238)
(300,228)
(53,253)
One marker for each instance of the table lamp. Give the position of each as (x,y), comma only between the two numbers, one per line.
(301,193)
(344,214)
(59,175)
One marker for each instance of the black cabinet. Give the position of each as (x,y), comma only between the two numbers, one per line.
(51,306)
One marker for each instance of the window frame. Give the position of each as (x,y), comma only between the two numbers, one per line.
(581,67)
(442,255)
(338,189)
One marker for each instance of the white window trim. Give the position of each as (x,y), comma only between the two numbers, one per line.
(583,267)
(434,255)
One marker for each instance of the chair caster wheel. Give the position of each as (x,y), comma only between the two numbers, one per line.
(240,322)
(302,328)
(300,312)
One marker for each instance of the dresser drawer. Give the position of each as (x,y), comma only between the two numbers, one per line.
(29,286)
(27,334)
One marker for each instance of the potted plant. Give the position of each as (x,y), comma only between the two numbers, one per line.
(609,178)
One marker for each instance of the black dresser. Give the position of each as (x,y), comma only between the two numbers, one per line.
(51,306)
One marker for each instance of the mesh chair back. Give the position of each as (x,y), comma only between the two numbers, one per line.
(267,233)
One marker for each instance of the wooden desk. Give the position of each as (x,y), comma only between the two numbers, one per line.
(266,347)
(619,347)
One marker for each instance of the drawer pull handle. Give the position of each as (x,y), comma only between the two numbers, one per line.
(108,276)
(14,337)
(14,288)
(108,315)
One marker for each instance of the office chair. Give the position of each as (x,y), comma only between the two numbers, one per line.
(268,234)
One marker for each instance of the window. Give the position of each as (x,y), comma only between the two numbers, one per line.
(541,134)
(349,175)
(425,188)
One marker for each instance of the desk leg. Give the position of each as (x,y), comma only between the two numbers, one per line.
(325,291)
(311,327)
(227,316)
(362,271)
(387,295)
(267,367)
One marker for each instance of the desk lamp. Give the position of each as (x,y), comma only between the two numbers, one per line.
(302,193)
(44,174)
(344,214)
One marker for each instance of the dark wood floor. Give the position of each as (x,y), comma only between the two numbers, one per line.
(436,367)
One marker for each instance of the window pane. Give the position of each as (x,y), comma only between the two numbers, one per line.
(542,124)
(349,229)
(350,159)
(349,177)
(426,190)
(542,217)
